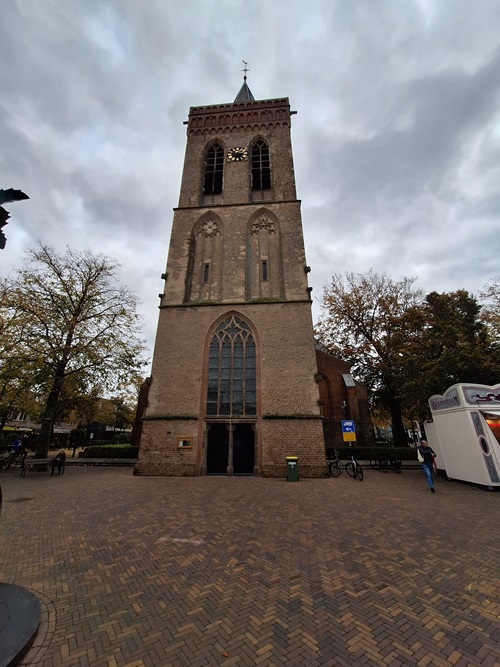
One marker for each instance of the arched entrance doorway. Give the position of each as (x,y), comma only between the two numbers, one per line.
(243,449)
(217,449)
(230,449)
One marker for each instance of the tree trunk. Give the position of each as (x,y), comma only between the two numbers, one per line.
(398,429)
(43,442)
(3,419)
(42,446)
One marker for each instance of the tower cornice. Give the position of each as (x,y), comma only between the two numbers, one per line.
(258,204)
(226,117)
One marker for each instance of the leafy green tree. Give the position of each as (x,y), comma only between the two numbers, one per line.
(363,321)
(124,412)
(404,347)
(17,393)
(490,313)
(450,344)
(73,324)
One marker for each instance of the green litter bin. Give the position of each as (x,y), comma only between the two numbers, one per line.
(292,469)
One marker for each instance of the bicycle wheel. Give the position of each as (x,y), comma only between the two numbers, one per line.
(349,468)
(359,472)
(336,468)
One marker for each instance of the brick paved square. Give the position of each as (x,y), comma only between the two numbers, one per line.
(143,571)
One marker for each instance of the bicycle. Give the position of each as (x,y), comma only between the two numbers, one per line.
(335,466)
(395,463)
(15,459)
(379,462)
(353,469)
(385,462)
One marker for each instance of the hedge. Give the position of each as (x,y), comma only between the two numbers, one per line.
(110,452)
(367,453)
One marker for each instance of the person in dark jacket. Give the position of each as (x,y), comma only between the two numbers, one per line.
(427,453)
(59,462)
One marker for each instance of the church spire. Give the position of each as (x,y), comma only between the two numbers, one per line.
(245,94)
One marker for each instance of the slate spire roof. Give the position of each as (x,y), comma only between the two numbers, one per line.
(245,94)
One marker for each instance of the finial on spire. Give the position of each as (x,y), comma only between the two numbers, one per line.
(245,94)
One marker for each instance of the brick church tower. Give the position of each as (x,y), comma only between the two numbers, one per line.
(233,387)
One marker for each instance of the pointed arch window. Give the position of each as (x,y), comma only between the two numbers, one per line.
(261,168)
(231,370)
(214,167)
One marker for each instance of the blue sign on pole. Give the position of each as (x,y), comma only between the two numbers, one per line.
(348,426)
(348,430)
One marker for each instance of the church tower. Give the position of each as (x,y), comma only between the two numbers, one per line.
(233,384)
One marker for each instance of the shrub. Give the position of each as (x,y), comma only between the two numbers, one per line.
(367,453)
(113,452)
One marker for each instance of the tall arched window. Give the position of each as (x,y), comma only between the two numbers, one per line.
(214,167)
(231,370)
(261,168)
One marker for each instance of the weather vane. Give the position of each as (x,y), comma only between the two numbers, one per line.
(245,70)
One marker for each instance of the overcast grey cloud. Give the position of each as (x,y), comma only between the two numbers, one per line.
(396,141)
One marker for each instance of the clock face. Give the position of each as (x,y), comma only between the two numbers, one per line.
(237,154)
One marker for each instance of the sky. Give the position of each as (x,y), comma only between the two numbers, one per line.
(396,138)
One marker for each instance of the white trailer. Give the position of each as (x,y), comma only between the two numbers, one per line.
(465,433)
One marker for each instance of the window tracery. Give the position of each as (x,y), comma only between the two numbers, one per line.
(263,223)
(231,387)
(209,229)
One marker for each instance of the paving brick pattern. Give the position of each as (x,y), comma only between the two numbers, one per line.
(142,571)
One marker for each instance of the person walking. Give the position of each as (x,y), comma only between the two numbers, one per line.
(426,458)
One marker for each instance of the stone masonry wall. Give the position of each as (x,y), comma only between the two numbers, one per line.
(293,437)
(228,236)
(286,368)
(159,453)
(333,394)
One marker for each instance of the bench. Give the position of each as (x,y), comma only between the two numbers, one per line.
(48,463)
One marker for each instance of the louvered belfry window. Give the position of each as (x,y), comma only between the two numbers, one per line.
(261,169)
(231,370)
(214,168)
